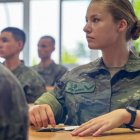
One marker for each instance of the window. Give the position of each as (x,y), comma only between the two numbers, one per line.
(11,14)
(74,45)
(44,20)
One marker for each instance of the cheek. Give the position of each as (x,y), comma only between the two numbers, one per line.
(5,49)
(42,51)
(106,34)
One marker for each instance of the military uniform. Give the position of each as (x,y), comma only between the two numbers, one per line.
(31,81)
(13,108)
(89,91)
(52,73)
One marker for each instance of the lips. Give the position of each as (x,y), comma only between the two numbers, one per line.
(90,38)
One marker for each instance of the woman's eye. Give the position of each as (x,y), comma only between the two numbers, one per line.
(86,20)
(95,20)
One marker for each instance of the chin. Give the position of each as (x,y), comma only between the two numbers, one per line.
(93,47)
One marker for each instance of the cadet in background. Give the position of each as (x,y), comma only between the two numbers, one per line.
(47,68)
(12,42)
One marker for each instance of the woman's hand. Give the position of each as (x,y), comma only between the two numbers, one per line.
(41,116)
(103,123)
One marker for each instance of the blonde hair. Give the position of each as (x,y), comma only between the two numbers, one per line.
(123,9)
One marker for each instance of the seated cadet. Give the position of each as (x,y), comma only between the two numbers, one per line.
(47,68)
(11,44)
(13,108)
(111,82)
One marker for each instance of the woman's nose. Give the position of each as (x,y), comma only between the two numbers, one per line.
(87,28)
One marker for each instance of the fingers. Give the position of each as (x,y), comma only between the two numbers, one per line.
(32,120)
(41,116)
(92,127)
(84,129)
(33,116)
(79,130)
(100,130)
(50,116)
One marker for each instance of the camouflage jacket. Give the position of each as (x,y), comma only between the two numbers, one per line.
(89,91)
(13,108)
(52,73)
(31,81)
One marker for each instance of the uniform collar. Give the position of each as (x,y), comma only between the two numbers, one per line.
(132,65)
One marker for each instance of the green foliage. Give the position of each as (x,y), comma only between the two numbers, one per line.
(75,55)
(81,50)
(34,61)
(68,58)
(136,4)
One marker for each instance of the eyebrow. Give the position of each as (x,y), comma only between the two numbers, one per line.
(94,15)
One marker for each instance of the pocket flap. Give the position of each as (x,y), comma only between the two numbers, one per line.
(79,87)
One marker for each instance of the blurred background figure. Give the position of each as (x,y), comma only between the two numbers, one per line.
(12,42)
(13,108)
(47,68)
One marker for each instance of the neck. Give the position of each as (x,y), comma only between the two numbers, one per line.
(116,58)
(45,63)
(12,63)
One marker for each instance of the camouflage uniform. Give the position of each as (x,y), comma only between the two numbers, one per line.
(89,91)
(52,73)
(31,81)
(13,108)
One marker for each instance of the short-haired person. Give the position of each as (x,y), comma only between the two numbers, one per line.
(106,84)
(47,68)
(12,42)
(13,108)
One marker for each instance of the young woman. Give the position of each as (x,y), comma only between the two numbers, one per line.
(111,82)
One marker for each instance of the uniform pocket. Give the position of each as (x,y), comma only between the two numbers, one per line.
(75,94)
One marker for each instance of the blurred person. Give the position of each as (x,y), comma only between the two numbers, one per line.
(47,68)
(111,82)
(12,42)
(13,108)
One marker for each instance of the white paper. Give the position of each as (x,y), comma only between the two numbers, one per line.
(69,128)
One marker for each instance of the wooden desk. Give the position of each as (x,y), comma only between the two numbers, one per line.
(115,134)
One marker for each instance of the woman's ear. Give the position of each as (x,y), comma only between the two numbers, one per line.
(122,25)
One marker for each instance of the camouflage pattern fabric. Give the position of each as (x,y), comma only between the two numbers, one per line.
(32,83)
(52,73)
(13,108)
(89,91)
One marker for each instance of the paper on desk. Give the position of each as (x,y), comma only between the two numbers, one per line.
(55,129)
(70,128)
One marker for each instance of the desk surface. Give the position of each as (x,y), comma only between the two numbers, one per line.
(115,134)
